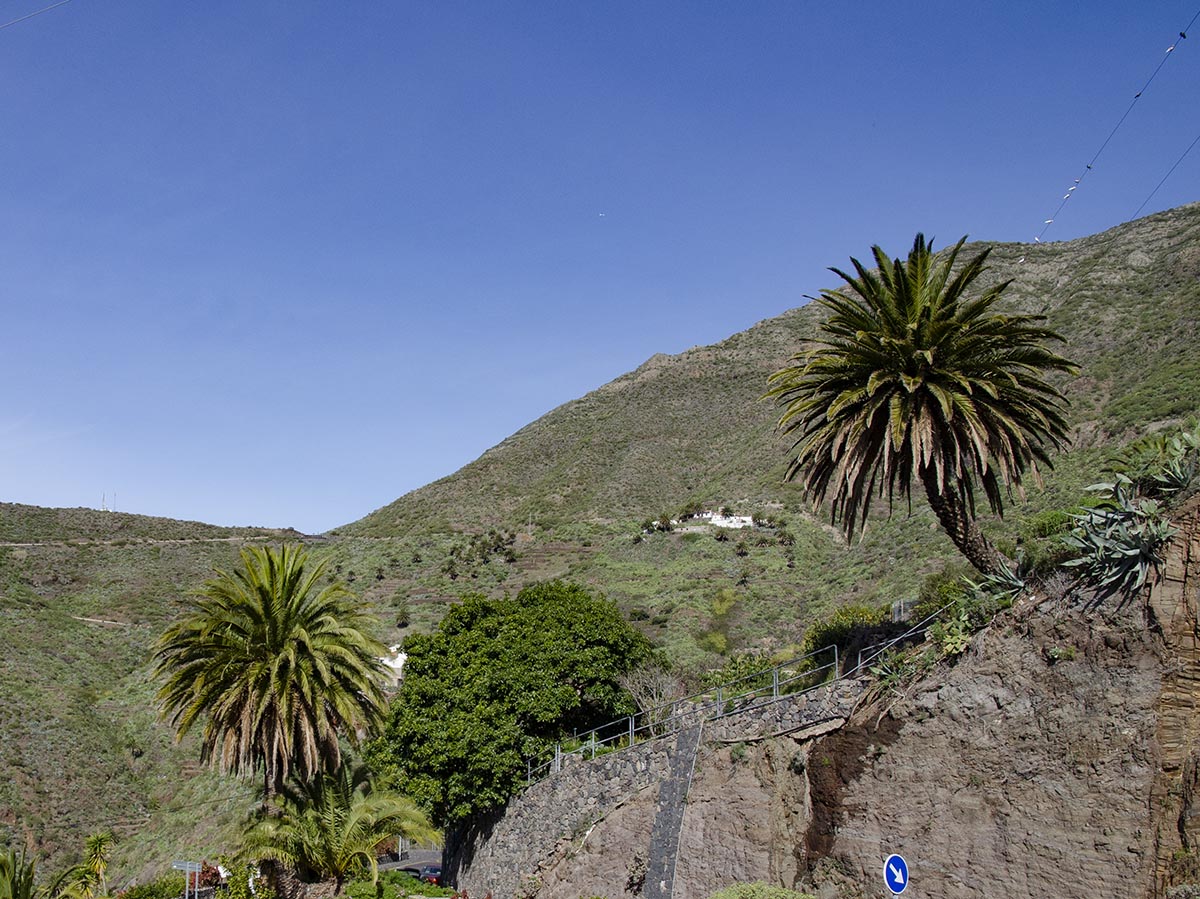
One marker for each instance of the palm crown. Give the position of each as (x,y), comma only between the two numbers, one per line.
(331,825)
(910,378)
(275,667)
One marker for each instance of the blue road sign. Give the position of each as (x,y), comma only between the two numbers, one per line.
(895,874)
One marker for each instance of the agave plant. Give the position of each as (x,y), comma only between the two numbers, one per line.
(1005,584)
(1161,465)
(1121,540)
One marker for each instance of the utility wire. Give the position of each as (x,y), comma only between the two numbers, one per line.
(1087,168)
(35,13)
(1191,146)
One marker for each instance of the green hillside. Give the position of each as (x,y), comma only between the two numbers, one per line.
(83,594)
(691,426)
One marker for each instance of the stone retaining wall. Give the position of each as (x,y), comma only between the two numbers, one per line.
(508,854)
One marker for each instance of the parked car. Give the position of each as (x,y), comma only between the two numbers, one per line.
(431,874)
(414,873)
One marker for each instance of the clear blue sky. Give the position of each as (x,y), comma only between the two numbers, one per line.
(278,263)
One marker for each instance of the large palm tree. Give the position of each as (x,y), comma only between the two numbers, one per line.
(275,666)
(912,379)
(330,826)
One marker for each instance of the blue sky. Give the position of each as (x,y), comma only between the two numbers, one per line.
(278,263)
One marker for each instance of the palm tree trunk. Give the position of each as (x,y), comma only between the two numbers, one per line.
(957,522)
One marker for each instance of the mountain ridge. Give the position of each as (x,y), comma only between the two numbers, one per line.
(720,385)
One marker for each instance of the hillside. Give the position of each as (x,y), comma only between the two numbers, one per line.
(691,426)
(83,594)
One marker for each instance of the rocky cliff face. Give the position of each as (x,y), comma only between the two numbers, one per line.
(1025,770)
(1057,757)
(1176,797)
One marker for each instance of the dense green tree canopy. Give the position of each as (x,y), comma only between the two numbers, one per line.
(499,680)
(913,379)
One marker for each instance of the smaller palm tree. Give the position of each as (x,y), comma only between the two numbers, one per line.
(89,878)
(329,827)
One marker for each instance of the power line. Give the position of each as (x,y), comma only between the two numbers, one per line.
(1191,146)
(1088,167)
(35,13)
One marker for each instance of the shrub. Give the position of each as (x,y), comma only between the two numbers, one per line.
(1184,891)
(393,885)
(840,628)
(169,886)
(751,669)
(1047,524)
(238,884)
(939,590)
(758,890)
(714,642)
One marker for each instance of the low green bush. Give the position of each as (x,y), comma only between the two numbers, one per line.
(758,890)
(841,628)
(393,885)
(939,590)
(169,886)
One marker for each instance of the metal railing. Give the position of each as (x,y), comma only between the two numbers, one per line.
(793,678)
(809,672)
(914,634)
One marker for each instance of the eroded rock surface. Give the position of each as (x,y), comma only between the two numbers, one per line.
(1058,756)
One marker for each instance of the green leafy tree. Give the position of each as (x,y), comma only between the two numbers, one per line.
(498,681)
(276,667)
(912,380)
(328,827)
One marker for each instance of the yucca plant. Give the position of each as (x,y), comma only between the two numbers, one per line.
(89,878)
(16,874)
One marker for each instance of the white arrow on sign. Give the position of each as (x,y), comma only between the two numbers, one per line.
(897,874)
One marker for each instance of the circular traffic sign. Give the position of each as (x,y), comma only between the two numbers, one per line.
(895,874)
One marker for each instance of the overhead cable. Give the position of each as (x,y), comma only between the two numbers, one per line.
(35,13)
(1191,146)
(1070,192)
